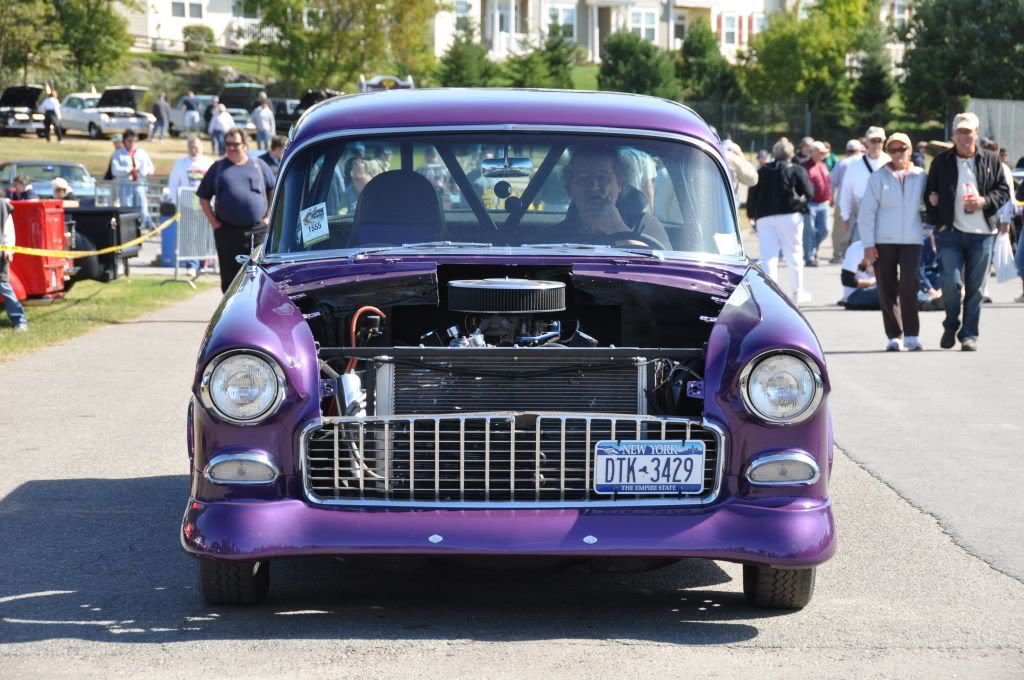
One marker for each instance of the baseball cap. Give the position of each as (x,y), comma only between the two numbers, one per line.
(60,183)
(116,138)
(966,121)
(898,137)
(874,132)
(853,145)
(819,146)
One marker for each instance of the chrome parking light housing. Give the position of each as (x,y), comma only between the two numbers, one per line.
(790,468)
(245,468)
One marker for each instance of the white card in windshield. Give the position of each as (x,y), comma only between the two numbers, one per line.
(314,224)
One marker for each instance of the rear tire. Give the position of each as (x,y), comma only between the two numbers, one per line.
(233,582)
(88,267)
(773,588)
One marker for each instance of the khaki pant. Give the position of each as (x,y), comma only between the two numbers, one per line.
(840,235)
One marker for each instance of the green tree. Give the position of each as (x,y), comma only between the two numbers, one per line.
(198,39)
(25,37)
(875,85)
(559,52)
(411,37)
(529,69)
(631,64)
(703,73)
(328,43)
(962,48)
(94,36)
(465,63)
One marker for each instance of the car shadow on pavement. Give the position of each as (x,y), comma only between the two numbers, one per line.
(99,560)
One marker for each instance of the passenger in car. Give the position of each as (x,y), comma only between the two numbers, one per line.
(362,172)
(605,207)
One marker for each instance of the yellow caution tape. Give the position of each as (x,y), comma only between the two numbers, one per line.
(73,254)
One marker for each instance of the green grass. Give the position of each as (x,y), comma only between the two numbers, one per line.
(89,305)
(584,77)
(94,154)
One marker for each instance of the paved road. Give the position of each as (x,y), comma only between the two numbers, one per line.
(92,488)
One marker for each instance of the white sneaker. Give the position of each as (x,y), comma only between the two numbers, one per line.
(803,297)
(894,345)
(912,344)
(21,328)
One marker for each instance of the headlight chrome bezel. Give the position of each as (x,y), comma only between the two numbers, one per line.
(207,398)
(809,410)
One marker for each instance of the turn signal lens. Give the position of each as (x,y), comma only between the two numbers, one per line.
(782,469)
(240,469)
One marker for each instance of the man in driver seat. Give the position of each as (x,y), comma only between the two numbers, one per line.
(605,208)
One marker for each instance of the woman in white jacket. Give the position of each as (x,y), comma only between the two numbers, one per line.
(220,123)
(890,227)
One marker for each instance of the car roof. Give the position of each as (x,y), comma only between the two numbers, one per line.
(500,107)
(82,94)
(80,165)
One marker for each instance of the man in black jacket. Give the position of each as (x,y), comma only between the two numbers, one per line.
(966,186)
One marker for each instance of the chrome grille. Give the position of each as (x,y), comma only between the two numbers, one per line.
(533,459)
(478,384)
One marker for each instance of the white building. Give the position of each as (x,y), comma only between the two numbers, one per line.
(157,24)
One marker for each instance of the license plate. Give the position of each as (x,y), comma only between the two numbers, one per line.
(649,467)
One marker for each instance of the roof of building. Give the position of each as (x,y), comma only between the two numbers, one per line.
(498,107)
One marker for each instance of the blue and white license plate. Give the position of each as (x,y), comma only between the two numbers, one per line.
(649,466)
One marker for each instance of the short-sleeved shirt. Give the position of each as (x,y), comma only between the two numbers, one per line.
(190,104)
(242,191)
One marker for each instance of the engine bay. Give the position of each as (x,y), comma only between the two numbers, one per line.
(490,339)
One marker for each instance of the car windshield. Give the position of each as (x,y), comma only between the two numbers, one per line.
(44,173)
(529,190)
(90,102)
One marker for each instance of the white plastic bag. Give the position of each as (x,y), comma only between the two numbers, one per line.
(1002,259)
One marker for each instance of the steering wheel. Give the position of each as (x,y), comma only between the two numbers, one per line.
(630,239)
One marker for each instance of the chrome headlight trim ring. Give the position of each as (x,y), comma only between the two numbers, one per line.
(207,399)
(809,410)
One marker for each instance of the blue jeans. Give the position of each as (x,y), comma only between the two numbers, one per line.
(966,259)
(864,298)
(14,309)
(217,139)
(160,128)
(815,229)
(263,139)
(1019,257)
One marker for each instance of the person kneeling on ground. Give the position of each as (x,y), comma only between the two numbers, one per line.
(858,278)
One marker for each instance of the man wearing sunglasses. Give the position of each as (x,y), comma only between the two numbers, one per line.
(242,187)
(855,180)
(966,186)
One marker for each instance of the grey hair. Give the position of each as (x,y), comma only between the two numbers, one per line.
(783,149)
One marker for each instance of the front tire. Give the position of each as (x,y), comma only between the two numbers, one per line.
(773,588)
(233,582)
(94,131)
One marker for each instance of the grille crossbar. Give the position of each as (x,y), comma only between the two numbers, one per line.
(491,459)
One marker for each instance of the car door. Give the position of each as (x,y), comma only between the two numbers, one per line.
(71,114)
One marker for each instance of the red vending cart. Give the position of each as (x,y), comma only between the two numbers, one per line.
(39,224)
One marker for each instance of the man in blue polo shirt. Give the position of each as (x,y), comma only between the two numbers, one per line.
(242,187)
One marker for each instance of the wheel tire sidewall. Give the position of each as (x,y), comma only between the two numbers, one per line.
(94,131)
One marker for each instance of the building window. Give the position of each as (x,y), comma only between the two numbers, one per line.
(462,15)
(678,30)
(195,10)
(564,17)
(760,23)
(177,9)
(245,9)
(900,14)
(729,24)
(644,24)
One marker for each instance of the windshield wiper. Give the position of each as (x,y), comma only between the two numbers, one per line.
(603,247)
(424,245)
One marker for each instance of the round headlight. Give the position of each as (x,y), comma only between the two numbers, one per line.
(781,388)
(243,387)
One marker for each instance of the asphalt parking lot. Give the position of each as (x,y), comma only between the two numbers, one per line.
(927,581)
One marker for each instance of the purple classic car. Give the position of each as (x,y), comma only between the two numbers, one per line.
(493,323)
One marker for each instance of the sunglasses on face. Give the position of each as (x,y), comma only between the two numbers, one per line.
(897,149)
(232,145)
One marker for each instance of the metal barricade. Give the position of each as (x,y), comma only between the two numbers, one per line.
(122,193)
(193,238)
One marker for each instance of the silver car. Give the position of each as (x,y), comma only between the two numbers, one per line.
(115,111)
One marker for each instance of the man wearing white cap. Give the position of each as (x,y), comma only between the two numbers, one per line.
(856,178)
(840,229)
(966,186)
